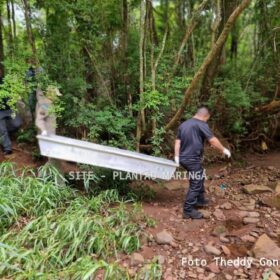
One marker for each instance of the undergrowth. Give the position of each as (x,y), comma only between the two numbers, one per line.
(51,231)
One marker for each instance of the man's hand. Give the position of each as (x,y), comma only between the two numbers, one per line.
(226,152)
(44,133)
(176,159)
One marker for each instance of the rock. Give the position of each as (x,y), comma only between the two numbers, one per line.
(213,267)
(228,277)
(226,206)
(136,259)
(266,248)
(209,249)
(248,238)
(253,214)
(249,220)
(226,250)
(206,214)
(164,237)
(224,239)
(161,259)
(219,230)
(256,189)
(182,274)
(277,188)
(272,201)
(219,215)
(243,214)
(250,205)
(192,275)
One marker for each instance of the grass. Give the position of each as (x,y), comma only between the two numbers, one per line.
(66,235)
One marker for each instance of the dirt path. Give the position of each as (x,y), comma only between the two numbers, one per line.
(225,230)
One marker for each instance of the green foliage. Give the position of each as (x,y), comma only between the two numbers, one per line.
(233,103)
(56,233)
(14,87)
(109,125)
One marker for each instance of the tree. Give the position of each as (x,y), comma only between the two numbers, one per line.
(216,48)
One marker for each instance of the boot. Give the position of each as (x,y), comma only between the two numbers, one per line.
(194,214)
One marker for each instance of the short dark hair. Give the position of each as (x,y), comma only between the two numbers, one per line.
(203,111)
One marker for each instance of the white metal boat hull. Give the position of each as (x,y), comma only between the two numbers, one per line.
(69,149)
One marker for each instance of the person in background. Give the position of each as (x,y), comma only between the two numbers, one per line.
(9,123)
(45,115)
(188,152)
(31,79)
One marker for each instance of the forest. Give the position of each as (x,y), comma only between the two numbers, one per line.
(128,73)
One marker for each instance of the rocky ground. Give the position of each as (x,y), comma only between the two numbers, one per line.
(240,227)
(239,235)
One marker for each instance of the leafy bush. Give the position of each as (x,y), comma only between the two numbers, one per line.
(107,126)
(65,235)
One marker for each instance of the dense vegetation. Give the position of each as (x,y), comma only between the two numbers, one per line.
(130,70)
(52,232)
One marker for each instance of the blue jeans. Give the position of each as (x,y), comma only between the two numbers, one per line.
(8,125)
(196,189)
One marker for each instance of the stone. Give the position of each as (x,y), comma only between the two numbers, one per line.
(192,275)
(272,201)
(219,230)
(213,267)
(228,277)
(219,215)
(206,214)
(136,259)
(249,220)
(266,248)
(209,249)
(226,250)
(256,189)
(182,274)
(224,239)
(243,214)
(226,206)
(248,238)
(164,237)
(277,188)
(253,214)
(161,259)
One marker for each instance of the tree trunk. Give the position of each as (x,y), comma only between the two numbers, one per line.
(124,54)
(224,10)
(191,26)
(215,50)
(2,70)
(10,30)
(14,20)
(27,15)
(141,113)
(272,108)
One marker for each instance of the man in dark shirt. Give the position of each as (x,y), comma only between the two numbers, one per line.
(8,124)
(189,151)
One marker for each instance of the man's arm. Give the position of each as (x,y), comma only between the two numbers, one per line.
(215,142)
(177,150)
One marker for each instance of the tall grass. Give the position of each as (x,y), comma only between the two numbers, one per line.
(67,235)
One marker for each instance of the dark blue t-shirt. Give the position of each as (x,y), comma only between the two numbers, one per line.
(192,134)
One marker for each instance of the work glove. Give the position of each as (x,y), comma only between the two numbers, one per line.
(226,152)
(44,133)
(176,159)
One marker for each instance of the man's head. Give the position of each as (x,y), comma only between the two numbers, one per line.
(202,114)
